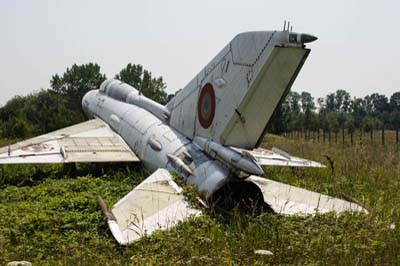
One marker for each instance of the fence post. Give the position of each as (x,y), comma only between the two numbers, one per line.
(336,133)
(342,135)
(329,136)
(371,135)
(383,135)
(351,138)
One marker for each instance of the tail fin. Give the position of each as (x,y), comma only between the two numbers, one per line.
(233,98)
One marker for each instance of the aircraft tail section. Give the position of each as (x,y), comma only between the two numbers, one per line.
(233,98)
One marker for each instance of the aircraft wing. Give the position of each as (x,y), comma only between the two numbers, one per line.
(90,141)
(277,157)
(155,204)
(286,199)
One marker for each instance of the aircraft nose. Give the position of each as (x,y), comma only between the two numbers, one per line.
(306,38)
(86,102)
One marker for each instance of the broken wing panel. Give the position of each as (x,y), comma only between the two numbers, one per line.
(90,141)
(155,204)
(277,157)
(286,199)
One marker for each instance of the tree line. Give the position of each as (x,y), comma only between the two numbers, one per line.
(336,111)
(60,105)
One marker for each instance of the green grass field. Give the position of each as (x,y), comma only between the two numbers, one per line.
(49,217)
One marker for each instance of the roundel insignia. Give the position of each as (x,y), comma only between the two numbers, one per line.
(206,106)
(40,147)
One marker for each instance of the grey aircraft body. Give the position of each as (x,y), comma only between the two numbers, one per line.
(209,135)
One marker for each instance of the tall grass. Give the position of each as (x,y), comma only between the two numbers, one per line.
(54,219)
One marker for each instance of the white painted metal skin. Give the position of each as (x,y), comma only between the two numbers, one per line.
(138,127)
(156,204)
(202,135)
(250,75)
(90,141)
(238,72)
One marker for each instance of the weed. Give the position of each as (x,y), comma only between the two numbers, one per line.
(49,218)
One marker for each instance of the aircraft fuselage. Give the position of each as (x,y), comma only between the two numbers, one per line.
(229,103)
(157,144)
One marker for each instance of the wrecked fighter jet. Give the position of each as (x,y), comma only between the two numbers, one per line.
(208,134)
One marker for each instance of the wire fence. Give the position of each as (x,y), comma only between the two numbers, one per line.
(347,137)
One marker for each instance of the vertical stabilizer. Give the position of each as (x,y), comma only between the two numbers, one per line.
(233,98)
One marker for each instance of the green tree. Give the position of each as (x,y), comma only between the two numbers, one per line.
(330,104)
(47,111)
(308,106)
(376,103)
(307,101)
(395,118)
(13,108)
(142,80)
(293,100)
(342,101)
(76,82)
(12,119)
(17,127)
(358,110)
(395,101)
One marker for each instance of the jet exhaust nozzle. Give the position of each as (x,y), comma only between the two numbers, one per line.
(306,38)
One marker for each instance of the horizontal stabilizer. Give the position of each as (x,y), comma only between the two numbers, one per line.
(90,141)
(156,204)
(277,157)
(286,199)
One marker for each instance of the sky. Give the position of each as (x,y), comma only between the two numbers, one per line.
(356,50)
